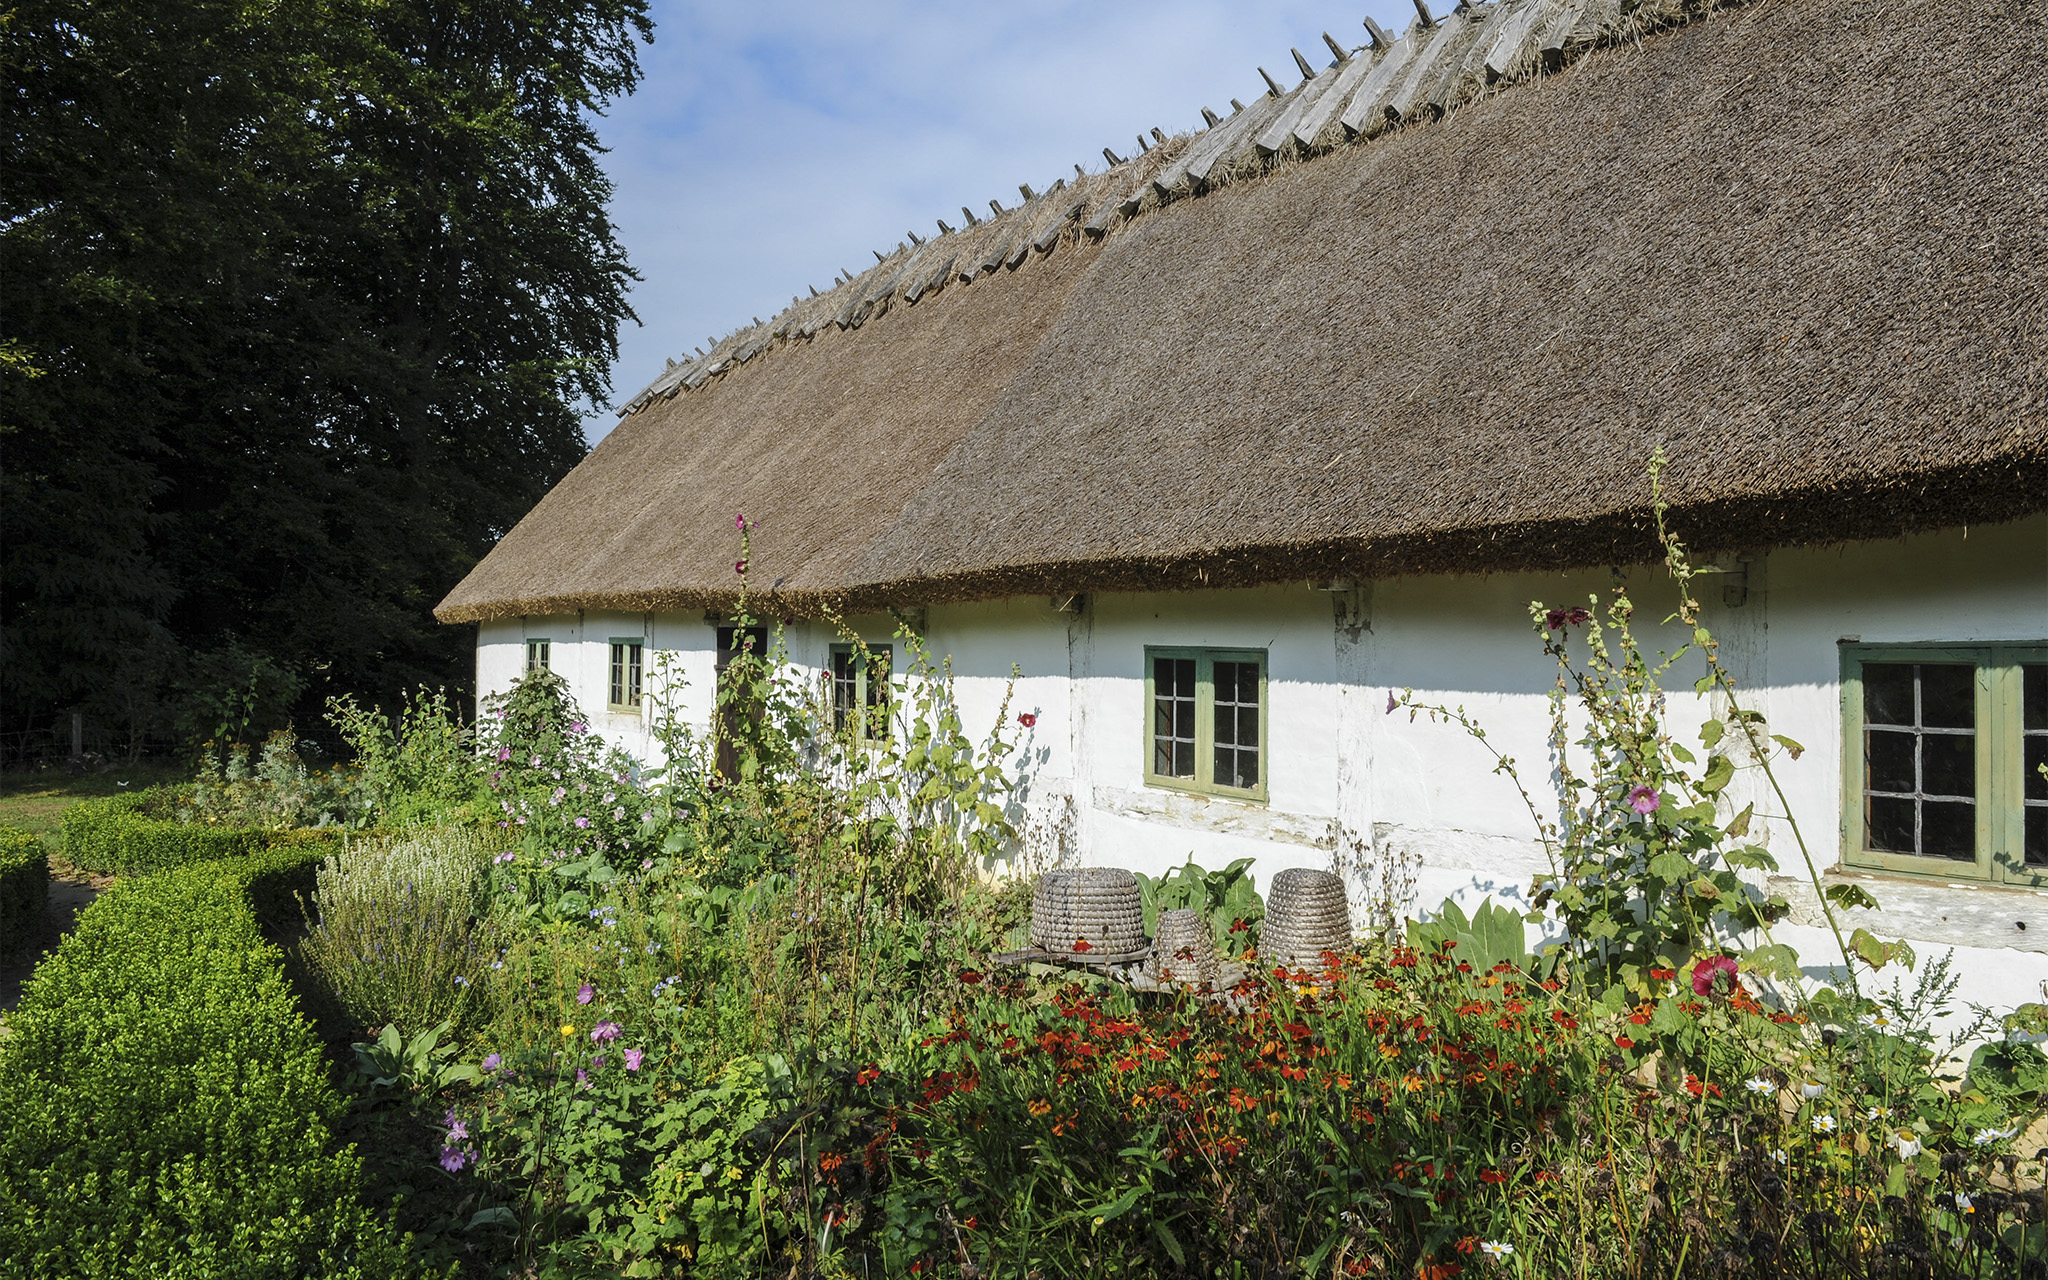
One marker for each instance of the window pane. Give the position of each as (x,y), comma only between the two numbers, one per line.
(2037,834)
(2036,756)
(1948,830)
(634,655)
(1888,760)
(616,695)
(1948,697)
(1948,764)
(845,688)
(1173,717)
(1887,693)
(1237,724)
(2036,717)
(1888,825)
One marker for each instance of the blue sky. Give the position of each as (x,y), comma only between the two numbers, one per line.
(774,143)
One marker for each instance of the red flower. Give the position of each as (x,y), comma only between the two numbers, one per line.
(1714,975)
(1492,1175)
(1082,946)
(1027,719)
(1624,1042)
(868,1076)
(969,976)
(739,566)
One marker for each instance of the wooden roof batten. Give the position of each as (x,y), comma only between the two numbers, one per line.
(1439,64)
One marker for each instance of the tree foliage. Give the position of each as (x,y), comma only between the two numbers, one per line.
(302,300)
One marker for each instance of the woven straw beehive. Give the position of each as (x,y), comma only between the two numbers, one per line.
(1183,949)
(1306,915)
(1099,904)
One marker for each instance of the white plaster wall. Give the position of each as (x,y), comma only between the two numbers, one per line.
(1428,792)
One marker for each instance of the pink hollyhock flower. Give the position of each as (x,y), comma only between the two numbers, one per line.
(504,753)
(633,1057)
(1715,975)
(605,1032)
(1643,800)
(740,522)
(585,994)
(1027,719)
(452,1159)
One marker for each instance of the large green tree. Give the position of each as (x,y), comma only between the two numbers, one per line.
(300,304)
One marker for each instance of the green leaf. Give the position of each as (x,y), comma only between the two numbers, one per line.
(1775,960)
(1848,896)
(1792,748)
(1172,1244)
(1710,734)
(1720,772)
(1682,755)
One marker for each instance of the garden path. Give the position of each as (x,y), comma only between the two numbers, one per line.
(68,896)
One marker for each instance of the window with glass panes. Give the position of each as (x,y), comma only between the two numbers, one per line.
(1942,755)
(537,655)
(860,689)
(1207,720)
(623,692)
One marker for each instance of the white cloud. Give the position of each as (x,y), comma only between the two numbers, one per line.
(773,144)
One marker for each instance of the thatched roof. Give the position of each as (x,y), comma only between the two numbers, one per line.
(1801,244)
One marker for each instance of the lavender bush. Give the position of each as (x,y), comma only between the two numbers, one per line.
(402,935)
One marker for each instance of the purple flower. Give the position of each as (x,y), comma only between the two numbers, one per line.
(453,1159)
(1393,703)
(1028,720)
(582,822)
(597,1063)
(740,522)
(582,1078)
(576,726)
(739,566)
(506,856)
(585,994)
(457,1130)
(504,753)
(492,1061)
(1643,800)
(605,1032)
(633,1057)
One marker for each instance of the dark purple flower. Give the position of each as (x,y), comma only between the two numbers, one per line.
(740,522)
(453,1159)
(605,1032)
(1392,702)
(585,994)
(739,566)
(633,1057)
(1555,619)
(1643,800)
(1027,719)
(1578,617)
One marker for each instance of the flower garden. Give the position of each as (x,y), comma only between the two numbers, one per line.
(497,1000)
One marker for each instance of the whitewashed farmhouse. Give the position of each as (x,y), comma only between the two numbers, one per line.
(1224,442)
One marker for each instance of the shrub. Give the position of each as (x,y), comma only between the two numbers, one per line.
(125,835)
(398,938)
(276,791)
(417,766)
(164,1108)
(24,886)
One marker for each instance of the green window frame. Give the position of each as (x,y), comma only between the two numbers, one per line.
(1941,753)
(622,690)
(1206,717)
(537,653)
(859,692)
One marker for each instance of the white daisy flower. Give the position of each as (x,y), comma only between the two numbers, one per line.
(1760,1085)
(1823,1124)
(1907,1142)
(1877,1113)
(1964,1204)
(1985,1137)
(1811,1088)
(1497,1249)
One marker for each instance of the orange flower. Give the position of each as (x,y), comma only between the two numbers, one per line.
(1039,1107)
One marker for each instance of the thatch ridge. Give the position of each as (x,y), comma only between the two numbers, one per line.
(1814,272)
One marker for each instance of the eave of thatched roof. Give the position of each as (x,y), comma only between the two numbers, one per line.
(1801,245)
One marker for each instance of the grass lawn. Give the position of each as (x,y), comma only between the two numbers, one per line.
(33,801)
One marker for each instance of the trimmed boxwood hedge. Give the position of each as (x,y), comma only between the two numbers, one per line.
(24,887)
(164,1108)
(124,835)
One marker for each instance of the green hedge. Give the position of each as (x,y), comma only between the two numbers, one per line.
(124,835)
(24,887)
(164,1108)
